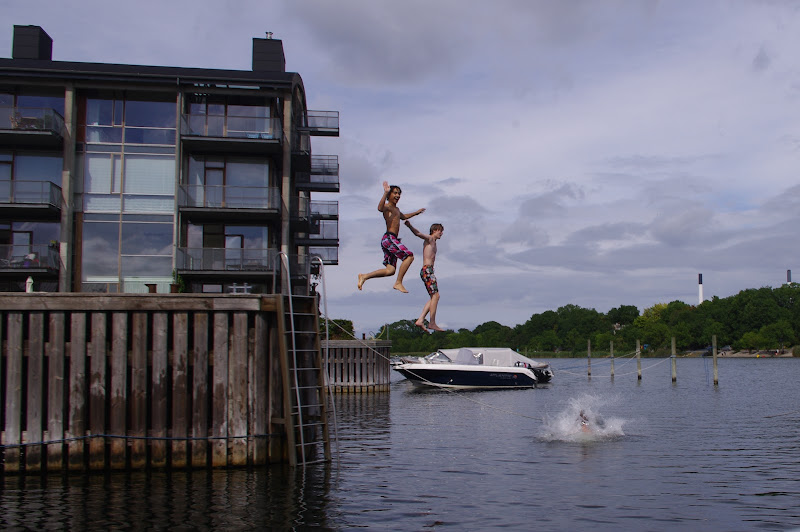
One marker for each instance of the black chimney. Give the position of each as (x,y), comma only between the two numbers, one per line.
(31,42)
(268,55)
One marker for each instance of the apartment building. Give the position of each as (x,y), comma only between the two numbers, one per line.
(128,178)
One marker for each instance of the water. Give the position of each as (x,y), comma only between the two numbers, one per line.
(661,456)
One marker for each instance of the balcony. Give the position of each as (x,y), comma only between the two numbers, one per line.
(323,175)
(231,134)
(320,123)
(329,255)
(30,200)
(38,127)
(22,260)
(224,264)
(228,261)
(323,233)
(228,203)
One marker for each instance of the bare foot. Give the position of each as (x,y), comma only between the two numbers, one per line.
(360,280)
(434,327)
(421,325)
(400,287)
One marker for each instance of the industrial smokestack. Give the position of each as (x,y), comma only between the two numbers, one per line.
(788,276)
(700,287)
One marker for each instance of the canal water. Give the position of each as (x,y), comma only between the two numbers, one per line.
(659,456)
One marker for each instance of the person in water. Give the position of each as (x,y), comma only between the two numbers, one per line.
(583,420)
(392,248)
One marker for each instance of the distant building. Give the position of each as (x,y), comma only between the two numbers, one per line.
(113,177)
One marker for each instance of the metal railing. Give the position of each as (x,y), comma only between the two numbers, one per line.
(328,254)
(229,197)
(31,119)
(231,126)
(325,209)
(226,259)
(321,121)
(328,230)
(30,193)
(324,170)
(27,256)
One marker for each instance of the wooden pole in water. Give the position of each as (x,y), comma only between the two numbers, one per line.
(638,360)
(612,360)
(589,355)
(714,354)
(674,368)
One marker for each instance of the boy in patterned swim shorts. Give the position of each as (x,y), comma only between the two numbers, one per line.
(392,248)
(427,275)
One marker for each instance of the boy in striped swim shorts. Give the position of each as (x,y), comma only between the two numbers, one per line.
(427,275)
(391,245)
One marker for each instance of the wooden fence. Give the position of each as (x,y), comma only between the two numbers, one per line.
(139,380)
(358,366)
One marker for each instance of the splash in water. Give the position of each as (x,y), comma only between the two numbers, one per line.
(582,420)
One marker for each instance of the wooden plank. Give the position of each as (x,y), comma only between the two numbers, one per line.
(97,392)
(237,390)
(138,391)
(180,332)
(84,302)
(260,386)
(13,425)
(119,388)
(200,390)
(276,424)
(158,447)
(77,390)
(56,407)
(35,388)
(219,407)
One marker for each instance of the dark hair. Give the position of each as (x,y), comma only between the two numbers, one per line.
(436,227)
(392,187)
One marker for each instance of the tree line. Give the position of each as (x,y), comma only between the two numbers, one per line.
(762,318)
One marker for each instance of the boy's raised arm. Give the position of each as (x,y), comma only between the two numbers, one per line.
(382,202)
(404,216)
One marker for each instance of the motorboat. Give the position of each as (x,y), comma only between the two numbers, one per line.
(475,367)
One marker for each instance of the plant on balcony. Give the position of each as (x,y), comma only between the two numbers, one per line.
(178,284)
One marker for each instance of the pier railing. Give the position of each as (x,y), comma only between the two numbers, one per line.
(358,366)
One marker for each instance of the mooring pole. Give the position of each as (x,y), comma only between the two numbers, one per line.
(638,360)
(589,356)
(612,360)
(714,354)
(674,364)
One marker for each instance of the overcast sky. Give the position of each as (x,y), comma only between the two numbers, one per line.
(596,153)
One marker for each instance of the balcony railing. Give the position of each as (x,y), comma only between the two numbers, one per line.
(31,119)
(323,175)
(229,197)
(325,209)
(321,123)
(28,256)
(231,126)
(226,259)
(328,230)
(329,255)
(30,193)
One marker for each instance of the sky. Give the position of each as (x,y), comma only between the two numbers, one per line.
(592,153)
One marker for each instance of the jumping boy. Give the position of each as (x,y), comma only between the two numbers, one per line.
(427,275)
(392,248)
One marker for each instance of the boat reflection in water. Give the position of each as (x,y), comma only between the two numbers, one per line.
(475,367)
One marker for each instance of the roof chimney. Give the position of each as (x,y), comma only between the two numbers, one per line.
(268,55)
(31,42)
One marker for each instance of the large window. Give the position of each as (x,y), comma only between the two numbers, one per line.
(229,182)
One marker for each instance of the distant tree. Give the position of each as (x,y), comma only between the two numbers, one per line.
(339,329)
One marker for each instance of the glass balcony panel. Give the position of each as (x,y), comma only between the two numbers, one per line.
(31,119)
(226,259)
(30,192)
(27,256)
(226,197)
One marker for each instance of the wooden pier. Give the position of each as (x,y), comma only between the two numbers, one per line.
(358,366)
(134,381)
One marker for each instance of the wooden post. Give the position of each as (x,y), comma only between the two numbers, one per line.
(638,360)
(674,364)
(119,386)
(77,386)
(611,347)
(138,393)
(56,393)
(35,387)
(159,404)
(13,428)
(219,407)
(97,392)
(714,353)
(589,356)
(200,390)
(180,349)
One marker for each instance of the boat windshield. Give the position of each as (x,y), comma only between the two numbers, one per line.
(438,358)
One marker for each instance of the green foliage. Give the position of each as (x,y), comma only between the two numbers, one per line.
(339,329)
(763,318)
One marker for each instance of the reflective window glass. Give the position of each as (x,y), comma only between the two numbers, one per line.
(150,114)
(100,254)
(146,239)
(38,168)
